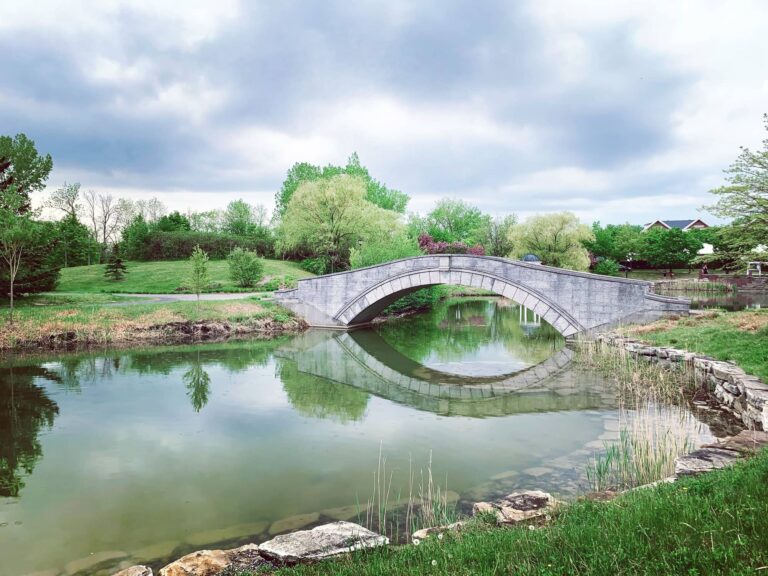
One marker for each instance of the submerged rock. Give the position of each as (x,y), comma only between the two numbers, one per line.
(212,562)
(746,441)
(705,460)
(292,523)
(518,507)
(320,542)
(135,571)
(109,558)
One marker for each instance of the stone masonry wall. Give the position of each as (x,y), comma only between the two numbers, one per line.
(737,392)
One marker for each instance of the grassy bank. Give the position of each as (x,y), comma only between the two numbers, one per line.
(164,277)
(712,524)
(740,337)
(91,321)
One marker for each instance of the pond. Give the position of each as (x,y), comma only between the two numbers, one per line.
(142,456)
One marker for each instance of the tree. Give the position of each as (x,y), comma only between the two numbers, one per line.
(106,216)
(397,244)
(607,267)
(245,268)
(329,217)
(456,221)
(173,222)
(745,198)
(151,210)
(557,239)
(664,248)
(17,235)
(76,244)
(198,277)
(22,167)
(242,218)
(375,192)
(134,238)
(67,199)
(115,269)
(495,236)
(620,243)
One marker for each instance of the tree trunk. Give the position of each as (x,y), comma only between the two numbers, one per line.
(13,278)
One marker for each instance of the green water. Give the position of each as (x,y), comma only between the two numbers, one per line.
(113,458)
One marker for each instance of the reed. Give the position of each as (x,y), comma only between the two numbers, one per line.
(692,285)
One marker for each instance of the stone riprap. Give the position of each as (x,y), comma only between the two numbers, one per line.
(320,543)
(737,392)
(570,301)
(521,506)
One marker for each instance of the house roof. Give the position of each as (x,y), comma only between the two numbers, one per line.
(681,224)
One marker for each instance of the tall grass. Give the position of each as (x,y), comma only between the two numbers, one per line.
(692,285)
(426,505)
(651,438)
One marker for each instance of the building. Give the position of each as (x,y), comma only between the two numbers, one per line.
(683,225)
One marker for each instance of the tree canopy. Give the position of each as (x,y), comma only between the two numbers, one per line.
(557,239)
(22,167)
(669,248)
(375,192)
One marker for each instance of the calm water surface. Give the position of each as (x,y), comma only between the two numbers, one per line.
(124,457)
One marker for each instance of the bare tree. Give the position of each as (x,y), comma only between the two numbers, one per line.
(66,199)
(151,210)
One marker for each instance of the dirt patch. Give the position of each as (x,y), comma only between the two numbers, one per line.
(750,321)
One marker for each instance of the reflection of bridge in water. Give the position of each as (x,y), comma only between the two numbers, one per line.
(364,360)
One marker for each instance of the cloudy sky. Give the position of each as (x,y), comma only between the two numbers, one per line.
(617,110)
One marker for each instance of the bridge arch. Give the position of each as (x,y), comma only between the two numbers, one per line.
(370,302)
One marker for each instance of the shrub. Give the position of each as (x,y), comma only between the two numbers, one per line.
(430,246)
(278,283)
(318,265)
(372,253)
(607,267)
(245,268)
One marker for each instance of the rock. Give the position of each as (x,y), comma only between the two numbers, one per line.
(746,442)
(345,512)
(427,532)
(155,551)
(93,560)
(135,571)
(725,371)
(704,460)
(292,523)
(211,562)
(320,542)
(505,475)
(539,471)
(518,506)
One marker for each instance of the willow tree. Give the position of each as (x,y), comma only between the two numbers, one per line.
(557,239)
(329,217)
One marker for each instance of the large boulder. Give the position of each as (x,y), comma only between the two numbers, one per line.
(519,506)
(320,542)
(212,562)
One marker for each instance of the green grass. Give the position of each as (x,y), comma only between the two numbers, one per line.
(162,277)
(740,337)
(713,524)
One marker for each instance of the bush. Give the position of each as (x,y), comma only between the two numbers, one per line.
(372,253)
(607,267)
(430,246)
(278,283)
(318,265)
(159,245)
(245,268)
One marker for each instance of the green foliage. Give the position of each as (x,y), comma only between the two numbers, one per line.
(456,221)
(75,244)
(22,168)
(375,192)
(745,198)
(330,216)
(317,265)
(495,236)
(374,251)
(198,275)
(115,269)
(607,267)
(278,283)
(198,385)
(245,268)
(621,242)
(671,248)
(158,245)
(173,222)
(557,239)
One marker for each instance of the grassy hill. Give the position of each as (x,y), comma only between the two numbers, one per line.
(163,277)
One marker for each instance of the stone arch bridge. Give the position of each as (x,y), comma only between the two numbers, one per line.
(572,302)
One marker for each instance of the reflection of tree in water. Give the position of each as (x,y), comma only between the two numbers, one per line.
(320,398)
(25,408)
(454,328)
(198,384)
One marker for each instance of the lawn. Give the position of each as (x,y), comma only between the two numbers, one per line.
(163,277)
(713,524)
(740,337)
